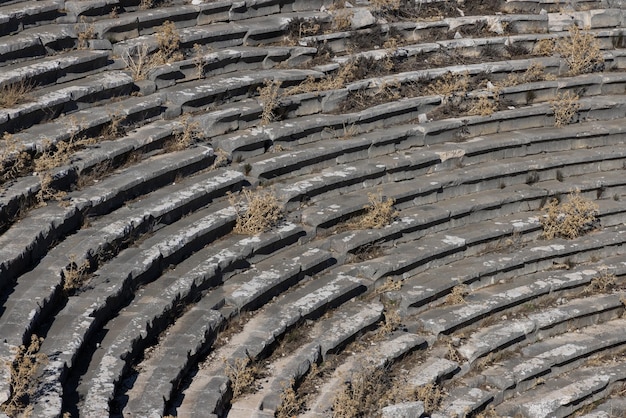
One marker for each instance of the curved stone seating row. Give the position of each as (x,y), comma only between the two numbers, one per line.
(113,284)
(493,299)
(143,319)
(27,242)
(74,95)
(55,69)
(203,394)
(543,323)
(423,287)
(35,42)
(14,17)
(566,394)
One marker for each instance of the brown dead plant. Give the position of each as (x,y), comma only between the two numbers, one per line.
(535,72)
(24,367)
(242,373)
(457,294)
(14,159)
(290,403)
(379,212)
(431,395)
(15,93)
(140,61)
(602,282)
(363,394)
(75,275)
(257,211)
(544,47)
(570,219)
(581,51)
(189,134)
(565,107)
(450,84)
(269,96)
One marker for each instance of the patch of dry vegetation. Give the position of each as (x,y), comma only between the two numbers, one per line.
(257,212)
(565,107)
(14,159)
(457,295)
(581,51)
(290,403)
(450,84)
(269,96)
(363,395)
(603,282)
(75,275)
(84,32)
(570,219)
(189,134)
(242,373)
(15,93)
(379,212)
(24,368)
(140,62)
(535,72)
(544,47)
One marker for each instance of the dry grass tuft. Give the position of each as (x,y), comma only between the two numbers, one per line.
(14,159)
(565,107)
(260,211)
(484,105)
(457,295)
(450,84)
(24,368)
(362,395)
(242,374)
(535,72)
(431,395)
(544,47)
(185,138)
(84,32)
(603,282)
(378,213)
(47,192)
(74,275)
(140,62)
(290,403)
(390,285)
(581,51)
(269,97)
(15,93)
(571,219)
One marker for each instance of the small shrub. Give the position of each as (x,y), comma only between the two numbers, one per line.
(535,72)
(242,374)
(391,323)
(185,138)
(457,295)
(544,47)
(571,219)
(14,159)
(259,213)
(84,32)
(138,63)
(431,395)
(269,97)
(450,84)
(483,106)
(290,403)
(24,368)
(604,281)
(565,107)
(361,396)
(378,213)
(15,93)
(74,275)
(46,192)
(581,51)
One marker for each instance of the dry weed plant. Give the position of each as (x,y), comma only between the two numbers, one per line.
(603,282)
(390,323)
(390,285)
(544,47)
(490,412)
(347,73)
(571,219)
(379,212)
(47,192)
(185,138)
(111,130)
(450,84)
(260,211)
(84,32)
(342,21)
(565,107)
(242,374)
(290,403)
(535,72)
(24,368)
(347,131)
(146,4)
(14,159)
(581,51)
(431,395)
(457,294)
(363,395)
(270,100)
(74,275)
(15,93)
(198,61)
(484,105)
(168,45)
(59,154)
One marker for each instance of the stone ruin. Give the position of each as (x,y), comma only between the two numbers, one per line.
(310,208)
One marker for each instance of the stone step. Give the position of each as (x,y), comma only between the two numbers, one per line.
(424,287)
(14,17)
(60,68)
(33,42)
(493,299)
(112,284)
(176,352)
(156,304)
(30,240)
(542,323)
(463,402)
(563,396)
(63,98)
